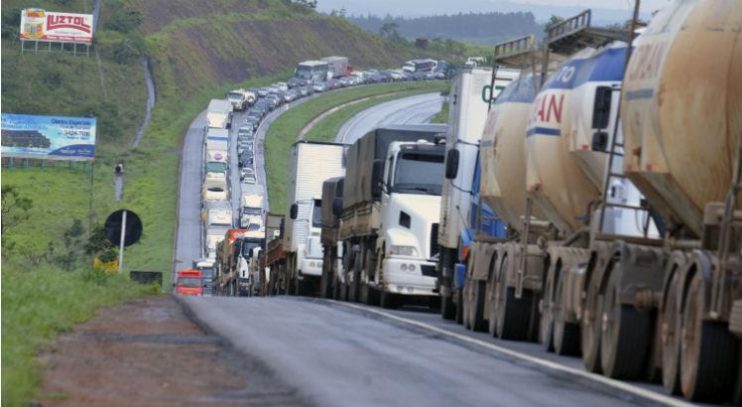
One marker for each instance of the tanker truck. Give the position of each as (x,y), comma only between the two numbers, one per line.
(469,102)
(391,204)
(681,104)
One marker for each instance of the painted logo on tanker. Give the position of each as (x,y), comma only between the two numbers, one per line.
(42,25)
(48,137)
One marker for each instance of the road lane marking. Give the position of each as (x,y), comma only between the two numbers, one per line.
(616,384)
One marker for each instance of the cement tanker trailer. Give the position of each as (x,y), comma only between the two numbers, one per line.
(682,119)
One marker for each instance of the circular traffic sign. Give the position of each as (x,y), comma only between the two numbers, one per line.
(133,231)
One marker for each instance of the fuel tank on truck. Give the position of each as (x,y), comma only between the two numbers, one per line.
(502,152)
(564,175)
(682,108)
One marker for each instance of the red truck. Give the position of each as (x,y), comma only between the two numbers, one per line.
(190,282)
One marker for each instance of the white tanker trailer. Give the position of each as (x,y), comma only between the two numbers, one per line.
(682,119)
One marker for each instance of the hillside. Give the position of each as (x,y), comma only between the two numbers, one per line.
(198,51)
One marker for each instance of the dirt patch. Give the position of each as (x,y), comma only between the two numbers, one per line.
(148,353)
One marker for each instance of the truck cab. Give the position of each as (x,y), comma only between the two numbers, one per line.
(309,255)
(410,206)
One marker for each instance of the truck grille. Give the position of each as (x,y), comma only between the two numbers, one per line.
(434,240)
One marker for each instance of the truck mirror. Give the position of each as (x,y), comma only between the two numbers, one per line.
(602,107)
(376,175)
(294,211)
(337,207)
(452,163)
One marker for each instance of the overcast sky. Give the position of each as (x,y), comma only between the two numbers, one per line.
(542,9)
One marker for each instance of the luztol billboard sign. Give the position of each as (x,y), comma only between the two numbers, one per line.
(48,137)
(50,26)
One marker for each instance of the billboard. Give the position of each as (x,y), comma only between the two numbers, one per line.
(50,26)
(48,137)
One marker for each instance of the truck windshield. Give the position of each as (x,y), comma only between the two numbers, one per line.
(317,214)
(216,166)
(251,211)
(189,282)
(419,173)
(208,273)
(234,96)
(247,248)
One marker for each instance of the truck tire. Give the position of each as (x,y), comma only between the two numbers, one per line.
(492,299)
(513,315)
(448,309)
(476,313)
(546,320)
(388,300)
(626,334)
(591,325)
(708,355)
(459,305)
(669,319)
(566,335)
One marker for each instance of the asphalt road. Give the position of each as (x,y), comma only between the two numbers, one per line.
(340,355)
(410,110)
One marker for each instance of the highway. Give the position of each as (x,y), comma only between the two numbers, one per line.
(409,110)
(338,354)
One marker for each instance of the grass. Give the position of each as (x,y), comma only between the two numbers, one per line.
(328,127)
(283,132)
(39,304)
(442,116)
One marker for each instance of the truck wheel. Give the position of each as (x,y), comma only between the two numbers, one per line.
(513,315)
(626,334)
(325,285)
(546,331)
(492,299)
(388,300)
(670,334)
(448,310)
(566,334)
(459,305)
(478,289)
(466,297)
(591,325)
(336,288)
(708,350)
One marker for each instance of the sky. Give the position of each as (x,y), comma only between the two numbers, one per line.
(606,11)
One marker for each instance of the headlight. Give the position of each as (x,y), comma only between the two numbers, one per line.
(403,251)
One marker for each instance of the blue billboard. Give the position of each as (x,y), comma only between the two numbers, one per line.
(48,137)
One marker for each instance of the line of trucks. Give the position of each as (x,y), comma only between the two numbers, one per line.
(583,195)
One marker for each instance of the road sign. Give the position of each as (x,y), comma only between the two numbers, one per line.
(131,233)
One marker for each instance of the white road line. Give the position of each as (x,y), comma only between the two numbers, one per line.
(619,385)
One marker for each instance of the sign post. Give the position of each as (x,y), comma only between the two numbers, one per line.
(121,241)
(123,228)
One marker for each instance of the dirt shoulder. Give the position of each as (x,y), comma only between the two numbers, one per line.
(149,353)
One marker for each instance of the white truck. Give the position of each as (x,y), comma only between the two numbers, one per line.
(391,205)
(311,164)
(469,102)
(219,114)
(217,217)
(251,213)
(337,66)
(216,153)
(240,99)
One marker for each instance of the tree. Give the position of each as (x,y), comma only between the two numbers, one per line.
(389,30)
(307,3)
(14,209)
(553,20)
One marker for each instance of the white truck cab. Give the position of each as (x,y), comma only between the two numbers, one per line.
(410,208)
